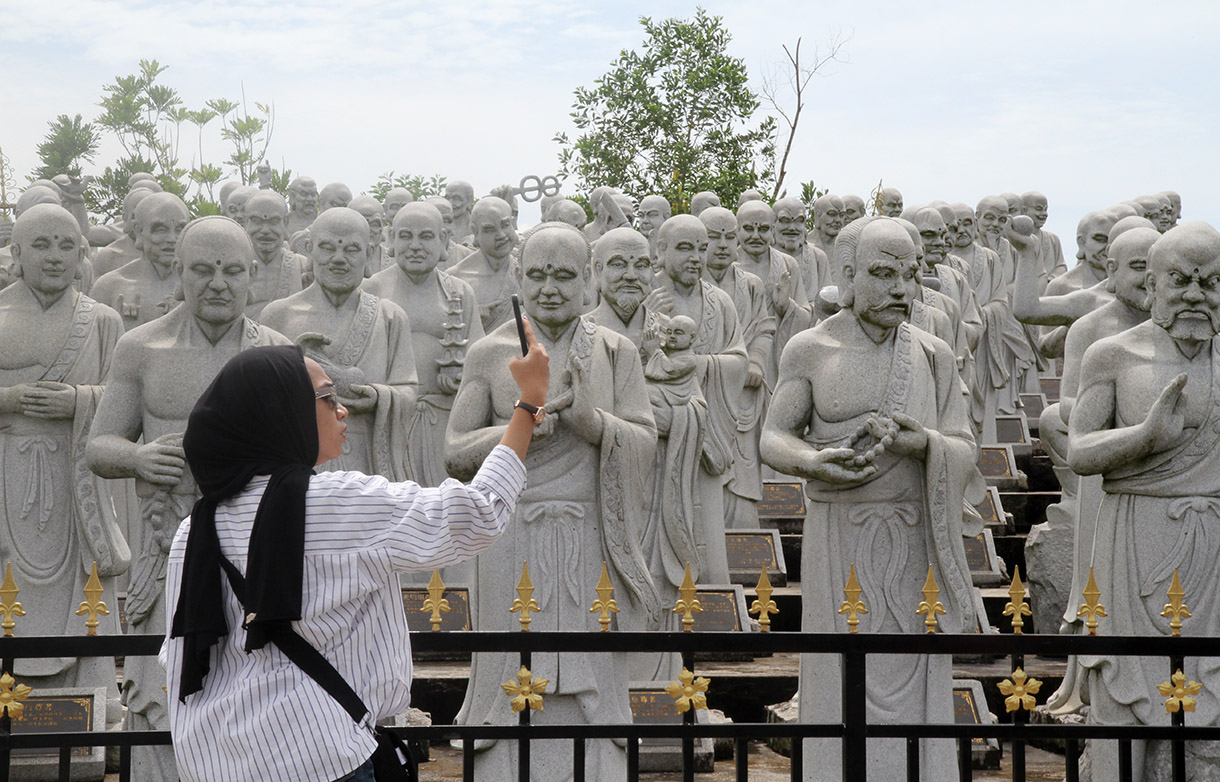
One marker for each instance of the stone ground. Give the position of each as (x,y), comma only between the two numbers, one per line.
(767,766)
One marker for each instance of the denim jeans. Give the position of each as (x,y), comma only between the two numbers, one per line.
(362,774)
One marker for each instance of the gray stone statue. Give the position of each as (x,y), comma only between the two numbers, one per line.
(587,466)
(792,237)
(333,196)
(364,343)
(302,203)
(123,250)
(827,222)
(853,209)
(452,252)
(869,411)
(461,197)
(374,215)
(490,269)
(279,272)
(235,204)
(1146,419)
(702,200)
(146,288)
(622,268)
(158,372)
(891,202)
(1049,250)
(56,517)
(654,211)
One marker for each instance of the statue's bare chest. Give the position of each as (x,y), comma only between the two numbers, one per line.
(849,383)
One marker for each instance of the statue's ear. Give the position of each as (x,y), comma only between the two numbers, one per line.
(1150,283)
(1111,270)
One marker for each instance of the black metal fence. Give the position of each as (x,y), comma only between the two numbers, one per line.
(854,730)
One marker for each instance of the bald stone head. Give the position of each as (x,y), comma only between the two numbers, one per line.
(1184,281)
(138,177)
(791,224)
(570,212)
(491,223)
(226,190)
(266,222)
(1034,206)
(461,196)
(334,195)
(681,248)
(374,214)
(159,219)
(623,268)
(964,231)
(828,216)
(702,200)
(130,202)
(396,199)
(853,208)
(891,202)
(721,225)
(755,229)
(1175,201)
(35,195)
(1014,204)
(151,185)
(626,206)
(303,195)
(235,206)
(879,271)
(654,211)
(555,271)
(991,216)
(1127,224)
(446,209)
(214,259)
(47,249)
(418,238)
(933,234)
(748,195)
(1127,265)
(546,202)
(338,249)
(49,184)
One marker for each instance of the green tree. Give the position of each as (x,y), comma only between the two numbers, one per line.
(418,186)
(673,118)
(69,144)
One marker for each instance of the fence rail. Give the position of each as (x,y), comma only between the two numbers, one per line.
(854,730)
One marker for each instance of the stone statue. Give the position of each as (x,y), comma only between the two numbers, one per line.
(891,202)
(622,268)
(744,488)
(333,196)
(452,251)
(869,411)
(1050,251)
(627,207)
(302,203)
(853,209)
(461,197)
(32,196)
(1175,205)
(223,195)
(607,213)
(158,371)
(693,458)
(570,212)
(147,288)
(587,466)
(373,213)
(279,272)
(123,250)
(56,517)
(827,222)
(1155,208)
(508,194)
(792,237)
(1145,419)
(787,300)
(364,343)
(545,203)
(1059,584)
(396,198)
(702,200)
(489,269)
(444,322)
(748,195)
(955,284)
(235,204)
(654,211)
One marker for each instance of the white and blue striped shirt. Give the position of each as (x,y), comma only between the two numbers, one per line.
(259,717)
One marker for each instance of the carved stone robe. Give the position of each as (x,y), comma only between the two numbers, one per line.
(289,279)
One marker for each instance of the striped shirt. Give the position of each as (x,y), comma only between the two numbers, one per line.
(259,717)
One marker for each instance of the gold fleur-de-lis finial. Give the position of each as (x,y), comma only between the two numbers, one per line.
(688,605)
(930,605)
(764,606)
(525,691)
(525,602)
(1175,609)
(1016,607)
(853,606)
(9,606)
(1092,608)
(436,602)
(1177,692)
(93,604)
(688,692)
(605,604)
(11,697)
(1020,691)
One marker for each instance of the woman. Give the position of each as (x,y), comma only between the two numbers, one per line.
(319,554)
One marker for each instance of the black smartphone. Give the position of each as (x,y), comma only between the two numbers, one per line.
(525,346)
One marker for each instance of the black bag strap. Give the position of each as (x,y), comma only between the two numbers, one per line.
(303,653)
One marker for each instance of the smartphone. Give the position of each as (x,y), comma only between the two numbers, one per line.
(525,346)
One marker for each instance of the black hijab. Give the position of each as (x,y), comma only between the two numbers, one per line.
(256,418)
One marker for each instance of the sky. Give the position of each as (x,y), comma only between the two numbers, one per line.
(1089,102)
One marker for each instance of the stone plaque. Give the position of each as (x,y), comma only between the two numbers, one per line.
(1050,388)
(995,461)
(985,566)
(122,601)
(749,551)
(1034,404)
(419,621)
(991,510)
(56,710)
(967,697)
(652,705)
(721,609)
(1012,429)
(782,500)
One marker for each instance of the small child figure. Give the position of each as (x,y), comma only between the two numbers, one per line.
(671,370)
